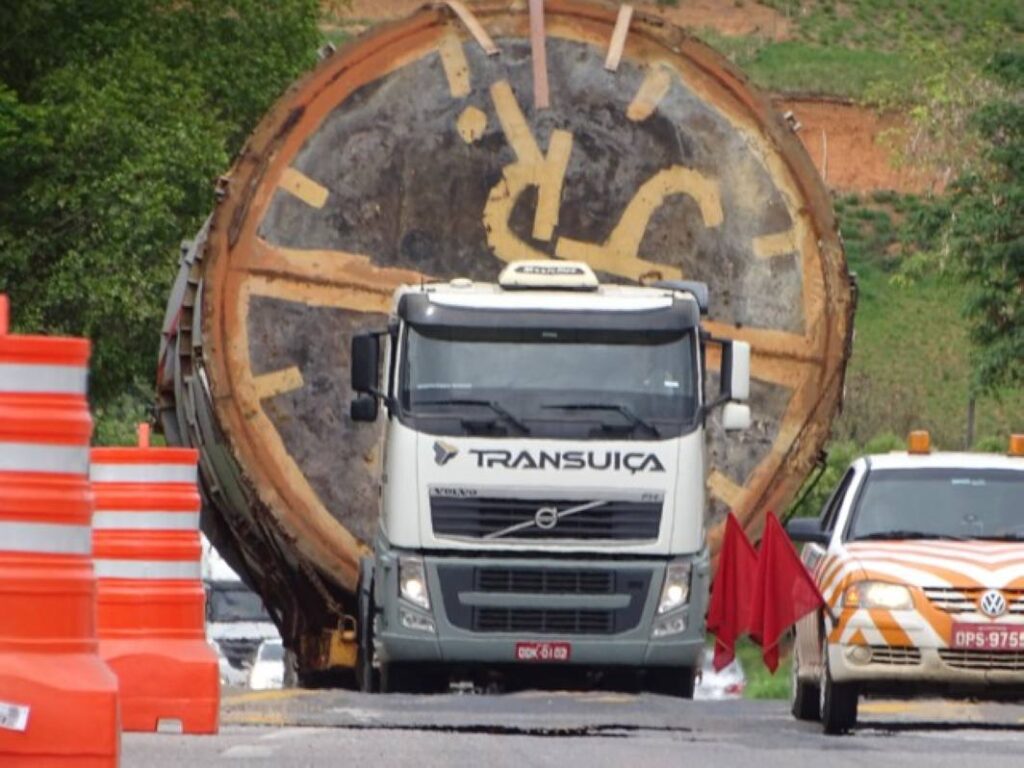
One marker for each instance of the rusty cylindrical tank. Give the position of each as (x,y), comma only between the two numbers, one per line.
(415,153)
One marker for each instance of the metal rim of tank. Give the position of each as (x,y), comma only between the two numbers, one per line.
(812,365)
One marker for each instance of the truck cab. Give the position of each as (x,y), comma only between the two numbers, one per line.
(543,482)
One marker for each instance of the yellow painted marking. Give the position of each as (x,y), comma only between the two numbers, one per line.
(513,123)
(618,254)
(550,176)
(474,27)
(471,124)
(456,68)
(778,244)
(652,90)
(308,191)
(272,695)
(725,490)
(278,382)
(885,707)
(618,39)
(369,287)
(532,168)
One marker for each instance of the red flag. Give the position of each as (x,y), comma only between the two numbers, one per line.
(783,593)
(731,591)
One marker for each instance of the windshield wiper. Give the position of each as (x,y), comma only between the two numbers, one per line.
(1000,537)
(617,407)
(911,535)
(495,406)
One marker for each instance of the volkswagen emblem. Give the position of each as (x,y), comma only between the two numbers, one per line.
(992,604)
(546,518)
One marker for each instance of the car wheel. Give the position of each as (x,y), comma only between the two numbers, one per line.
(672,681)
(805,698)
(838,701)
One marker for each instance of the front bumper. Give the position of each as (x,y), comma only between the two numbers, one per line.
(938,666)
(468,616)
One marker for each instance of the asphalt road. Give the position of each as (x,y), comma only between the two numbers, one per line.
(534,728)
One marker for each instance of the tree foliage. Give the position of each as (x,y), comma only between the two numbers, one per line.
(116,117)
(984,237)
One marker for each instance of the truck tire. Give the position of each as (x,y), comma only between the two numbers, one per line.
(672,681)
(838,702)
(805,698)
(367,675)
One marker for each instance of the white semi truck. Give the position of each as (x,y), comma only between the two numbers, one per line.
(543,487)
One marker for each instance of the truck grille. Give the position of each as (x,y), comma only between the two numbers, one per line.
(965,600)
(1012,661)
(550,621)
(545,582)
(478,518)
(521,598)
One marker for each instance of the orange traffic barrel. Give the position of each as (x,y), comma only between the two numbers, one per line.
(58,699)
(150,604)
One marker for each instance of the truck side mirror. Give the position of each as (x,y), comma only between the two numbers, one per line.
(365,362)
(807,530)
(735,374)
(364,408)
(736,417)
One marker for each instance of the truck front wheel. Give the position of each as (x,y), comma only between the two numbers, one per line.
(672,681)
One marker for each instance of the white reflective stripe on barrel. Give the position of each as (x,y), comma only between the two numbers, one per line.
(147,569)
(143,473)
(51,379)
(145,520)
(45,538)
(42,457)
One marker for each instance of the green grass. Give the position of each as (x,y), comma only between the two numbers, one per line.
(762,684)
(870,50)
(910,366)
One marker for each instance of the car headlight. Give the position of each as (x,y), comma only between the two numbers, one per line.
(676,590)
(878,594)
(412,581)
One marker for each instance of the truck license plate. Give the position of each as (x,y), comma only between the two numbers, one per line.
(543,651)
(988,637)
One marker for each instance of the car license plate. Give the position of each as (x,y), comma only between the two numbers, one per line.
(988,637)
(543,651)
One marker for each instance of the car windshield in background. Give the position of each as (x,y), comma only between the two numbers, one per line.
(579,379)
(236,605)
(940,503)
(272,652)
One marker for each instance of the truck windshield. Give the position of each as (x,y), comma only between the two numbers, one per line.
(576,383)
(940,503)
(235,603)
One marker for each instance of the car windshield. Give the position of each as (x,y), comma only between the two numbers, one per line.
(941,503)
(235,603)
(272,652)
(581,383)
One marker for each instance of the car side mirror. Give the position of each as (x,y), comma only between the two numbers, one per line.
(807,530)
(736,417)
(735,373)
(365,407)
(365,362)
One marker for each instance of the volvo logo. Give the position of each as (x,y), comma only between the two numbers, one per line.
(444,452)
(546,518)
(992,604)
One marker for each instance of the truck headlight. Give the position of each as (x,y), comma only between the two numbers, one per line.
(878,594)
(412,581)
(676,590)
